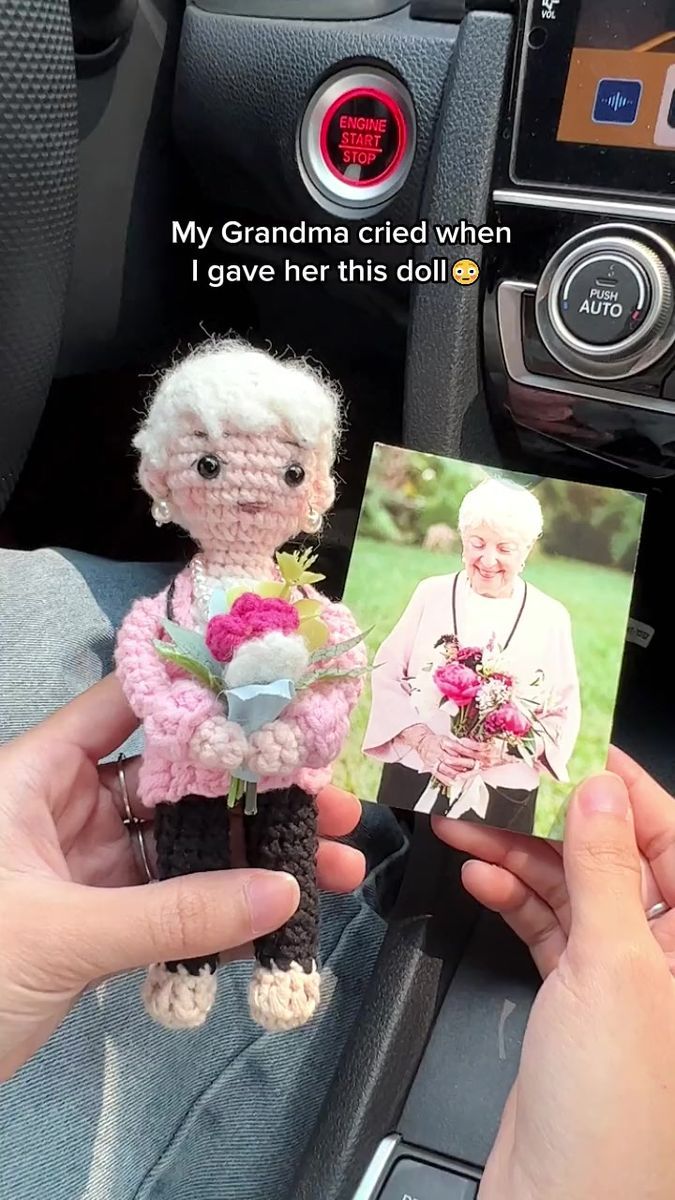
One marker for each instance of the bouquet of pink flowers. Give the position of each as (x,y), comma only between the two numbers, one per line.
(263,644)
(488,706)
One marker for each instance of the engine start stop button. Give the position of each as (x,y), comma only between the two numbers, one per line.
(357,140)
(363,137)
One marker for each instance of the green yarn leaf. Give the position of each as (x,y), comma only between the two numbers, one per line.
(330,675)
(329,652)
(191,643)
(192,665)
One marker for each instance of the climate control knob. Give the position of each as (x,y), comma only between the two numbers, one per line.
(605,304)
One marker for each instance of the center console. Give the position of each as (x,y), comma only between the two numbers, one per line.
(579,318)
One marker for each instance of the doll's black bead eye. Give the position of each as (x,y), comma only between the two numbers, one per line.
(294,475)
(209,466)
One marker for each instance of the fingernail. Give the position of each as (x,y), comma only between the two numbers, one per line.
(270,896)
(604,794)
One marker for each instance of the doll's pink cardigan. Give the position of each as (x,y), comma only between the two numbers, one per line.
(298,748)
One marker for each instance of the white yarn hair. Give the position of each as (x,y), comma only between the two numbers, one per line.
(502,506)
(228,381)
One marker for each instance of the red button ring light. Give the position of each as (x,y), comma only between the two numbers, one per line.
(363,137)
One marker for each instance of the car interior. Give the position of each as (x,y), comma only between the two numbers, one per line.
(128,128)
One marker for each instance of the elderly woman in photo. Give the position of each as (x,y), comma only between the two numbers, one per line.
(475,691)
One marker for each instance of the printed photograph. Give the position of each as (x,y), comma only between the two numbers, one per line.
(496,606)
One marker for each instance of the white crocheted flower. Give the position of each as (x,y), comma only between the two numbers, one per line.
(274,656)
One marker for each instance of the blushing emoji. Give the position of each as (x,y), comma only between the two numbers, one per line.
(465,272)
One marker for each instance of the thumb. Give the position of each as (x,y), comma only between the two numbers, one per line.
(119,929)
(602,866)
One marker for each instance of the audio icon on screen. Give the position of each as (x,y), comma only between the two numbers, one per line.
(617,101)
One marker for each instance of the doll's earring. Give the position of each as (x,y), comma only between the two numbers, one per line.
(161,512)
(313,520)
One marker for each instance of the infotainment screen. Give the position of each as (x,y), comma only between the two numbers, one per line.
(597,96)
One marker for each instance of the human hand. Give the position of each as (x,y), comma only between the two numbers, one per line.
(218,744)
(603,1025)
(71,910)
(458,756)
(488,754)
(480,754)
(444,757)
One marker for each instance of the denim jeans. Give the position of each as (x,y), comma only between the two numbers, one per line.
(114,1107)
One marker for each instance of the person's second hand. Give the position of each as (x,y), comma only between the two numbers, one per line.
(599,1051)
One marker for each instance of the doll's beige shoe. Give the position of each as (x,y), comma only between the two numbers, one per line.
(177,999)
(280,1000)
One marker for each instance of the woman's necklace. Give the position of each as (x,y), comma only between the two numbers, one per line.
(509,639)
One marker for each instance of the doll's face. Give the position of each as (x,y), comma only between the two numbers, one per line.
(250,490)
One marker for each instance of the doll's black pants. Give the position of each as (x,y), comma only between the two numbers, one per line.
(193,835)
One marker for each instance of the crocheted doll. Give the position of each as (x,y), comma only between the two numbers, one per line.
(243,675)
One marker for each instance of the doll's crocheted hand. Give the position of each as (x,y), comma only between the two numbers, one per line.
(276,749)
(218,743)
(176,716)
(71,910)
(311,733)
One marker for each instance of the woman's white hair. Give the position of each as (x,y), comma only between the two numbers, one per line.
(502,506)
(230,382)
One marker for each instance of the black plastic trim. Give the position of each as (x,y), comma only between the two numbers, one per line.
(303,10)
(445,410)
(438,10)
(456,10)
(431,926)
(456,1102)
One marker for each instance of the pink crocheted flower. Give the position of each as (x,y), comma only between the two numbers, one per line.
(457,683)
(250,617)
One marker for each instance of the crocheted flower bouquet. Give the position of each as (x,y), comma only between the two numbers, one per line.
(259,650)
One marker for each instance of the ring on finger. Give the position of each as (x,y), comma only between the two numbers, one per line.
(133,824)
(657,910)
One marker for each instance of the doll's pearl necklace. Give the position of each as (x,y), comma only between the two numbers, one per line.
(201,587)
